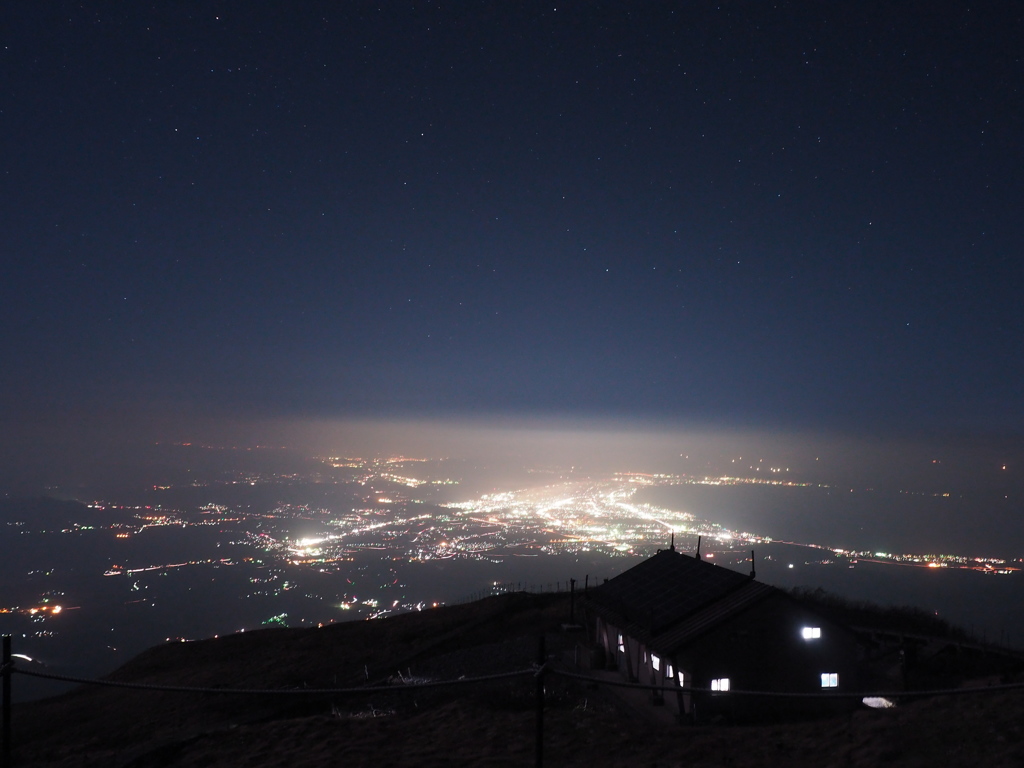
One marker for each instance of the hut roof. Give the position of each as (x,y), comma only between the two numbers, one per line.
(672,598)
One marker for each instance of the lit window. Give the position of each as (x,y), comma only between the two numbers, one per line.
(655,662)
(811,633)
(622,646)
(829,680)
(721,684)
(669,672)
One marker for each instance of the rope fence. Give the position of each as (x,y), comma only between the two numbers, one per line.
(276,691)
(530,671)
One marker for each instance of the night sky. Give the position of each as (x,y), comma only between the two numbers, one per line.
(770,216)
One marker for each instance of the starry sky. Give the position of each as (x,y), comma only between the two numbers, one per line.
(799,215)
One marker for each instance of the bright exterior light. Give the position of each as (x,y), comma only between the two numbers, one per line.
(878,702)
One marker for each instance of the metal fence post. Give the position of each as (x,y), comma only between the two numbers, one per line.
(542,657)
(5,756)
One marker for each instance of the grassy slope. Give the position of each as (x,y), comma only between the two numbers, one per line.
(491,724)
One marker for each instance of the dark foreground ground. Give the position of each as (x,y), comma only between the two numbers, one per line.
(481,724)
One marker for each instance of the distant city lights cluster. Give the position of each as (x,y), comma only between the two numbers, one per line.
(320,554)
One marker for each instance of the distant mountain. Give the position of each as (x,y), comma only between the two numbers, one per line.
(482,723)
(44,513)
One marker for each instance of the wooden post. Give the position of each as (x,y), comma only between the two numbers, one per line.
(5,759)
(542,657)
(572,601)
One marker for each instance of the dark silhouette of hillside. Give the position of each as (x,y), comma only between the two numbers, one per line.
(892,618)
(490,723)
(41,513)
